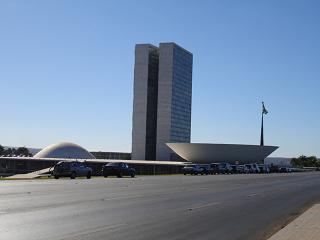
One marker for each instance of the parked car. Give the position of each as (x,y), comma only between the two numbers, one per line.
(227,167)
(253,168)
(71,169)
(236,169)
(118,169)
(193,169)
(216,168)
(264,168)
(221,168)
(206,169)
(274,169)
(244,169)
(285,170)
(256,167)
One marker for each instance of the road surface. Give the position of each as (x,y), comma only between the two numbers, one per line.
(155,207)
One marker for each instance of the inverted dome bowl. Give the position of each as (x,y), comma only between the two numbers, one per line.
(211,153)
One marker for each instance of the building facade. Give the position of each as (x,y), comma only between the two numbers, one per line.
(162,100)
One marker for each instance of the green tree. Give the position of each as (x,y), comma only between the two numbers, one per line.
(304,161)
(1,150)
(9,151)
(22,151)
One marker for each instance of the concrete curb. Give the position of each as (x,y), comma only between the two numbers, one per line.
(305,227)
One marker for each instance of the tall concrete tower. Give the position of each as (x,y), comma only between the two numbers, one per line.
(162,100)
(174,98)
(144,119)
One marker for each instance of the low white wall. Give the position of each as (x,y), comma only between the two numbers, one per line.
(278,161)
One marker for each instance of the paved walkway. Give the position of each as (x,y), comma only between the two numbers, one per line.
(305,227)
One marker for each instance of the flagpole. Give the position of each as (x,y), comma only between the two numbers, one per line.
(261,136)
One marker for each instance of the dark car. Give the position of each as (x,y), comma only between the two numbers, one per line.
(71,169)
(118,169)
(274,169)
(221,168)
(264,168)
(284,170)
(206,169)
(216,169)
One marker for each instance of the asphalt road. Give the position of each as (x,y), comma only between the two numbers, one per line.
(155,207)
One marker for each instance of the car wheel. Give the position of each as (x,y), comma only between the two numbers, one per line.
(105,176)
(184,174)
(132,175)
(56,177)
(89,175)
(73,175)
(119,175)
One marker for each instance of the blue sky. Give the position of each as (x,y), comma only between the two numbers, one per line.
(66,70)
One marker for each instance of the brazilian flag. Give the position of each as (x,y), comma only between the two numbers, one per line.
(264,110)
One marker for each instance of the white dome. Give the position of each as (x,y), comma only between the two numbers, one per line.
(64,150)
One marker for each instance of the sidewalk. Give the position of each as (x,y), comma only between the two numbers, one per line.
(305,227)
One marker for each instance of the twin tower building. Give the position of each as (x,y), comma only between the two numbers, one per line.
(162,100)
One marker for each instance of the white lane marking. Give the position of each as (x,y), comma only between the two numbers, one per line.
(204,206)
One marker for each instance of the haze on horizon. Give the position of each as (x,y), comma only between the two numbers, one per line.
(66,70)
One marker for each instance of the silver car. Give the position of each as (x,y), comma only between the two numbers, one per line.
(71,169)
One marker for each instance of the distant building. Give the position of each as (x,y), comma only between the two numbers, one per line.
(278,161)
(112,155)
(162,100)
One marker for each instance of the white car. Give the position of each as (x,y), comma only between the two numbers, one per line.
(193,169)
